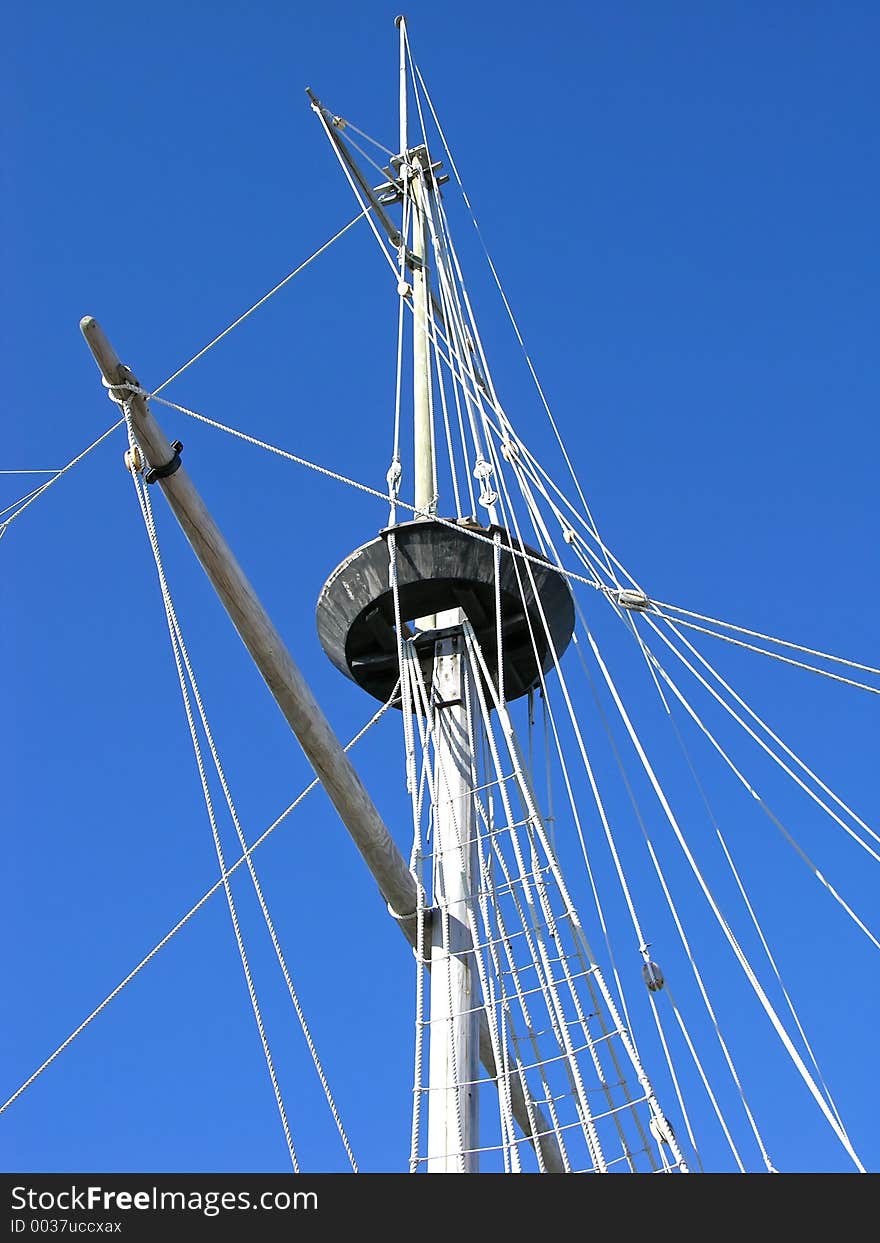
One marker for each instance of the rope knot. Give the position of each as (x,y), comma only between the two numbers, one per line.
(123,392)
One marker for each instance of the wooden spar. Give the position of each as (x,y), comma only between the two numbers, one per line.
(290,690)
(353,167)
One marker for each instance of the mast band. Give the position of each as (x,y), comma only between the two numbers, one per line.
(163,472)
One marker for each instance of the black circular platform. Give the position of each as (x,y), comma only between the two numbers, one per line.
(442,567)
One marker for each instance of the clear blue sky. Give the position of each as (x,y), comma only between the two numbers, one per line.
(682,201)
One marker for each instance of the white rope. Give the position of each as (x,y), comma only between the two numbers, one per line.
(459,387)
(713,1017)
(533,926)
(362,487)
(438,359)
(347,124)
(762,744)
(754,918)
(778,761)
(537,473)
(24,502)
(491,983)
(184,920)
(459,330)
(543,481)
(570,915)
(756,634)
(776,972)
(684,941)
(670,1065)
(704,1078)
(496,911)
(499,1052)
(826,884)
(671,906)
(440,903)
(144,500)
(404,660)
(364,206)
(538,660)
(530,929)
(788,660)
(731,939)
(649,659)
(15,504)
(755,717)
(751,1119)
(484,840)
(507,305)
(270,926)
(352,142)
(261,302)
(588,767)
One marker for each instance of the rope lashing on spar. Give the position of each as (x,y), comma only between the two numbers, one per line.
(122,395)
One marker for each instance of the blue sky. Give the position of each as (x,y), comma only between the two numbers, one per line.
(682,205)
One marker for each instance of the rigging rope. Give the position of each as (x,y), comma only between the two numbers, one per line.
(193,910)
(504,298)
(428,733)
(576,727)
(261,302)
(468,532)
(355,190)
(788,660)
(671,906)
(763,745)
(172,616)
(536,823)
(756,634)
(820,1100)
(767,810)
(24,502)
(184,670)
(728,934)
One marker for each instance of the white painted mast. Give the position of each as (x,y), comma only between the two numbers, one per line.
(454,1062)
(455,1003)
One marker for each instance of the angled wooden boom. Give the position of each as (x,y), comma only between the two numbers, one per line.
(290,691)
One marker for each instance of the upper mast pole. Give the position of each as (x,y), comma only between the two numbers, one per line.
(415,173)
(400,22)
(425,492)
(453,1096)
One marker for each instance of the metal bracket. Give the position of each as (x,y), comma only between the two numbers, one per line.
(164,472)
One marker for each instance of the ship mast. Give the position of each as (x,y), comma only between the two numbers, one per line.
(461,1036)
(453,1096)
(451,621)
